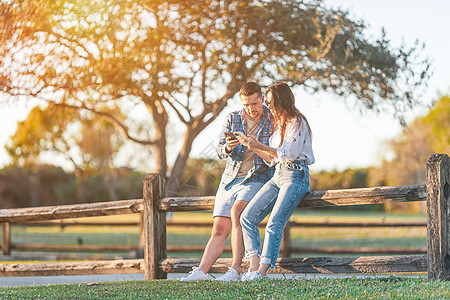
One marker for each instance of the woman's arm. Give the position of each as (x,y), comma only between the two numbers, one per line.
(264,151)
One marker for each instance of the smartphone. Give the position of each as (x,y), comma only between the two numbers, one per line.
(230,135)
(240,136)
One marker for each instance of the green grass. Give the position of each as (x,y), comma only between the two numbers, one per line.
(347,288)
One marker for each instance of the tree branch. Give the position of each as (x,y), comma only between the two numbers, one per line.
(119,125)
(180,116)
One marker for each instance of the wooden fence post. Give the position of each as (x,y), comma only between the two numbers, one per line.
(286,241)
(6,238)
(438,217)
(154,227)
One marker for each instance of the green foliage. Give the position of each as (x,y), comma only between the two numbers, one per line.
(347,179)
(49,185)
(412,148)
(438,119)
(59,129)
(332,180)
(345,288)
(42,130)
(88,144)
(45,185)
(419,140)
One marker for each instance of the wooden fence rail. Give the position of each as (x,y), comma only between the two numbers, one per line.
(286,249)
(156,265)
(383,223)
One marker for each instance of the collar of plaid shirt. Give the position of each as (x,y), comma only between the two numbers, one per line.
(264,119)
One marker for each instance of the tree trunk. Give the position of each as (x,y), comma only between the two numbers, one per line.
(34,191)
(109,179)
(161,119)
(174,181)
(194,128)
(159,150)
(81,185)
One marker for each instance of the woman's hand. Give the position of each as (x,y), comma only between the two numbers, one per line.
(252,144)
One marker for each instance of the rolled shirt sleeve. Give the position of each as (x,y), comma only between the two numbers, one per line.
(221,147)
(296,144)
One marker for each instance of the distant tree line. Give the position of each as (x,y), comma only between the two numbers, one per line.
(49,185)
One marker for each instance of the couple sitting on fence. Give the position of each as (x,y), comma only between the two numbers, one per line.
(267,172)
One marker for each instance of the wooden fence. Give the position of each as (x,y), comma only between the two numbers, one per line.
(156,265)
(286,249)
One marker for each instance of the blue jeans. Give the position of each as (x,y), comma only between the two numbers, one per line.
(280,196)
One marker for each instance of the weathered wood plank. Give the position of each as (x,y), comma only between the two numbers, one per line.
(42,213)
(63,223)
(6,238)
(319,224)
(154,223)
(322,250)
(369,264)
(358,224)
(331,198)
(326,265)
(73,268)
(74,223)
(361,250)
(438,217)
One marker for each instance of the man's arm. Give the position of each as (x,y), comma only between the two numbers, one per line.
(226,144)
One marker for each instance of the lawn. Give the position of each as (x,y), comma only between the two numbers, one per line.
(346,288)
(297,288)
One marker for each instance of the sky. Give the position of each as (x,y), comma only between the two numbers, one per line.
(342,138)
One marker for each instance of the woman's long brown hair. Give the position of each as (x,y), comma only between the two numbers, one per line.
(283,102)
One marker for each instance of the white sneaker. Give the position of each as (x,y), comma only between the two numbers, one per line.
(230,275)
(250,276)
(195,274)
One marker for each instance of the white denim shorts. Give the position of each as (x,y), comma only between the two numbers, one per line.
(227,195)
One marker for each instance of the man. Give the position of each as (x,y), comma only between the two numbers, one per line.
(245,173)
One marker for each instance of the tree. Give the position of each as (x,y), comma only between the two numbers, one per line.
(184,59)
(418,141)
(88,144)
(413,147)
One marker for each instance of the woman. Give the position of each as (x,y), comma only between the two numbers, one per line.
(291,151)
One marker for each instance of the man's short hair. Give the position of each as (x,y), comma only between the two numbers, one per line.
(250,88)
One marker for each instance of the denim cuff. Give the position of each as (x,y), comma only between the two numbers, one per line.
(251,253)
(266,261)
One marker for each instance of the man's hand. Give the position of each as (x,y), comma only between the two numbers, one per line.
(231,144)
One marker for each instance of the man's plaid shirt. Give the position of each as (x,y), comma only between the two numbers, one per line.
(236,121)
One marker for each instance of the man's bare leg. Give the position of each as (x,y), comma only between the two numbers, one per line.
(220,231)
(237,241)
